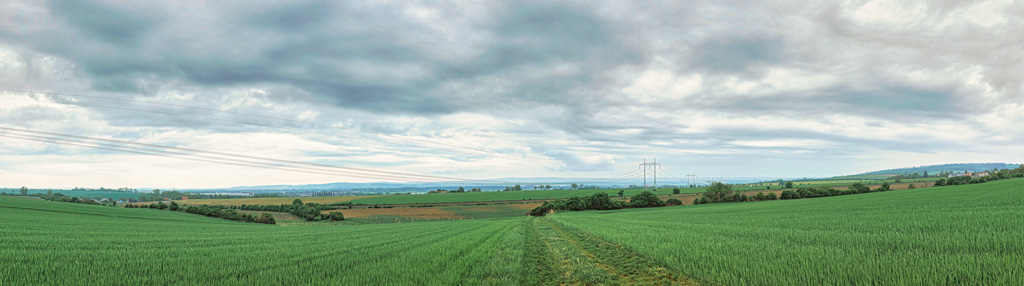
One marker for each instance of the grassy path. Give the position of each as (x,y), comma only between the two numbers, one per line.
(565,256)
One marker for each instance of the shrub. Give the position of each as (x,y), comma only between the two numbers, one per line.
(675,191)
(174,206)
(718,192)
(911,186)
(696,201)
(645,200)
(336,216)
(600,201)
(789,195)
(266,218)
(760,197)
(771,196)
(673,202)
(789,185)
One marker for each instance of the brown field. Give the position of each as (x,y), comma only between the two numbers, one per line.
(267,201)
(420,213)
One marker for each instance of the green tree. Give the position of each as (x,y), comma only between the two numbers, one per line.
(547,187)
(156,192)
(297,202)
(675,191)
(518,188)
(336,216)
(718,192)
(174,206)
(645,200)
(574,186)
(789,185)
(24,191)
(266,218)
(622,193)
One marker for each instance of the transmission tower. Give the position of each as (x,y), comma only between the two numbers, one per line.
(654,166)
(691,179)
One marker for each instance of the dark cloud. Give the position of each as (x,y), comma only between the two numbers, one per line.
(739,54)
(110,24)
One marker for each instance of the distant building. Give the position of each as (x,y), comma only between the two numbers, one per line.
(184,198)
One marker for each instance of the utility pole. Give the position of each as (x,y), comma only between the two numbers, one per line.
(653,166)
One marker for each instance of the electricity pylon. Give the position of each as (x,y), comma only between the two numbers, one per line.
(650,166)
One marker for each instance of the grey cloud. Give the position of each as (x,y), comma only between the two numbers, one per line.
(115,25)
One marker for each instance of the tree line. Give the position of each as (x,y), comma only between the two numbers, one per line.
(602,201)
(994,175)
(307,211)
(210,211)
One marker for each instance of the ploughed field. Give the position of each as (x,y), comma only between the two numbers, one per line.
(946,235)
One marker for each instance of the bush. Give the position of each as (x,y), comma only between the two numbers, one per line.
(675,191)
(673,202)
(771,196)
(760,197)
(266,218)
(696,201)
(601,201)
(174,206)
(718,192)
(789,185)
(645,200)
(789,195)
(336,216)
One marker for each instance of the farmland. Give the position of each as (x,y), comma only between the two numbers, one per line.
(945,235)
(51,243)
(959,235)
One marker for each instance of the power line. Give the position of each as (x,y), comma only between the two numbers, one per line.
(233,159)
(492,153)
(240,159)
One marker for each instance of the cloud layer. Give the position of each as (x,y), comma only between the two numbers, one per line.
(545,88)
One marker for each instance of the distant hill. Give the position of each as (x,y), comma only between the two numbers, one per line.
(935,169)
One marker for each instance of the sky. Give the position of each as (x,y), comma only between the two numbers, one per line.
(499,89)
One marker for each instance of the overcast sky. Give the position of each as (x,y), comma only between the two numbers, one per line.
(545,88)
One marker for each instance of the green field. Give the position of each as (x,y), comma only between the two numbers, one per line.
(947,235)
(52,243)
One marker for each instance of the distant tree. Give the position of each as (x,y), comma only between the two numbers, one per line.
(336,216)
(548,187)
(645,200)
(858,188)
(718,192)
(789,195)
(885,187)
(789,185)
(24,191)
(49,193)
(574,186)
(266,218)
(156,192)
(675,191)
(622,193)
(518,188)
(297,202)
(174,206)
(760,197)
